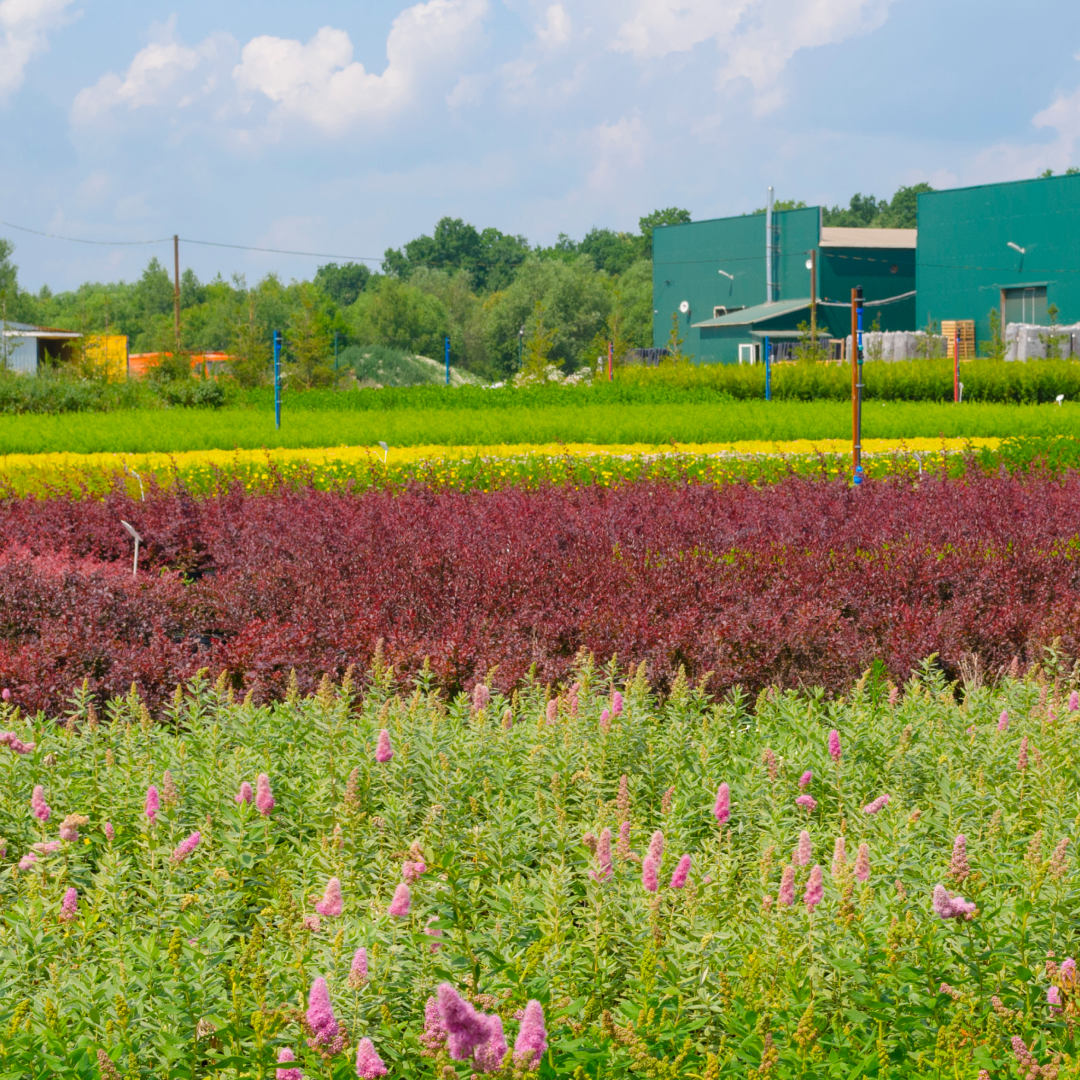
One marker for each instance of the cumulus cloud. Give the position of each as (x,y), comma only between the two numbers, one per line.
(24,29)
(756,38)
(320,83)
(555,31)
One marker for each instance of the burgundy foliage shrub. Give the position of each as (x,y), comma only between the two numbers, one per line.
(802,582)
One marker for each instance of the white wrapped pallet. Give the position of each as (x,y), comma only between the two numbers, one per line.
(1027,341)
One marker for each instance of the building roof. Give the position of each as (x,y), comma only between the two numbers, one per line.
(834,236)
(25,330)
(757,313)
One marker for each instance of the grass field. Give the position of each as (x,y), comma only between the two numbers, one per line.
(175,430)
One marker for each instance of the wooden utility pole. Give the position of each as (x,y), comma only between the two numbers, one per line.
(176,288)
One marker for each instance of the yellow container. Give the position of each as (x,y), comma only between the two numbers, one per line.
(107,354)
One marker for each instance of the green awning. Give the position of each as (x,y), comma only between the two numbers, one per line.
(757,313)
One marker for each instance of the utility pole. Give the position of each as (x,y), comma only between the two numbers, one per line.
(176,288)
(813,296)
(768,249)
(856,383)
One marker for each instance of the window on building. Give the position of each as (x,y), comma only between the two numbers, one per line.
(749,352)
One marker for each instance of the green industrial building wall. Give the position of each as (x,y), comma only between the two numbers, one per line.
(964,259)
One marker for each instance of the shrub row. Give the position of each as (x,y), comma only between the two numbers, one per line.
(801,582)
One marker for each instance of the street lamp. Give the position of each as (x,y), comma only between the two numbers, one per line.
(521,345)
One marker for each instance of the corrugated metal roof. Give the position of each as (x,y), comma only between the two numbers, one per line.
(25,330)
(757,313)
(835,236)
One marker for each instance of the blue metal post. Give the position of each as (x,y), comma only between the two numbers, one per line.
(277,379)
(768,370)
(858,478)
(447,361)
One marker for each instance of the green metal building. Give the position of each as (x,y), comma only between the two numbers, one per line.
(1011,248)
(732,282)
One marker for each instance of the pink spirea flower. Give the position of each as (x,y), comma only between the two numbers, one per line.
(6,693)
(616,703)
(186,847)
(331,904)
(435,932)
(411,871)
(38,804)
(48,847)
(623,846)
(433,1036)
(656,846)
(605,721)
(951,907)
(807,802)
(152,805)
(27,861)
(805,851)
(15,744)
(320,1015)
(839,857)
(368,1062)
(264,800)
(312,923)
(383,750)
(682,872)
(243,797)
(722,809)
(1067,972)
(862,863)
(1003,720)
(877,805)
(1074,701)
(358,970)
(1053,996)
(531,1043)
(481,697)
(399,906)
(649,870)
(958,864)
(1022,757)
(815,889)
(70,906)
(804,780)
(285,1057)
(69,829)
(110,832)
(894,695)
(466,1029)
(603,857)
(786,896)
(489,1054)
(834,744)
(552,711)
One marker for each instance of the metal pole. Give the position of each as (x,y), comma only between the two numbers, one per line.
(277,379)
(335,350)
(768,370)
(610,358)
(768,250)
(176,288)
(447,348)
(856,383)
(813,296)
(956,363)
(521,343)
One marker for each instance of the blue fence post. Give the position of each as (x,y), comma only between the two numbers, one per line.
(277,379)
(768,370)
(447,342)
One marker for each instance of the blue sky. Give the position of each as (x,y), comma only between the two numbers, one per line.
(350,127)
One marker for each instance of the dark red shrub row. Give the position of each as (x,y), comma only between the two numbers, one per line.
(802,582)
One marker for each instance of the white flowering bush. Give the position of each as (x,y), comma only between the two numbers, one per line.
(578,881)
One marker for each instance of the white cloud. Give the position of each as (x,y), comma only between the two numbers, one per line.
(618,149)
(24,27)
(556,30)
(756,38)
(321,84)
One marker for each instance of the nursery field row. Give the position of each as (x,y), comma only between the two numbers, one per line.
(797,583)
(573,882)
(141,431)
(485,468)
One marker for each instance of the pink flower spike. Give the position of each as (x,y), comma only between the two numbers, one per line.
(786,896)
(682,872)
(70,907)
(649,869)
(186,847)
(38,805)
(27,861)
(834,744)
(605,721)
(489,1055)
(1022,757)
(877,805)
(153,804)
(243,797)
(264,800)
(320,1015)
(110,832)
(807,802)
(358,971)
(722,809)
(466,1028)
(331,904)
(1074,701)
(383,750)
(804,780)
(411,871)
(368,1062)
(481,697)
(616,703)
(862,863)
(552,711)
(15,744)
(399,906)
(951,907)
(285,1056)
(48,847)
(656,846)
(815,890)
(434,1034)
(1053,996)
(805,851)
(531,1043)
(1003,720)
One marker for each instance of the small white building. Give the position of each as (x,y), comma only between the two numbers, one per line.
(27,347)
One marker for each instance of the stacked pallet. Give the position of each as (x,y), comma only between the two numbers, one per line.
(950,328)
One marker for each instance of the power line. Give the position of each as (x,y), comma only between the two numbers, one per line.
(77,240)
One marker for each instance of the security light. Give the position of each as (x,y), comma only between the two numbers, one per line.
(730,277)
(138,540)
(1016,247)
(385,451)
(809,264)
(684,307)
(1060,398)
